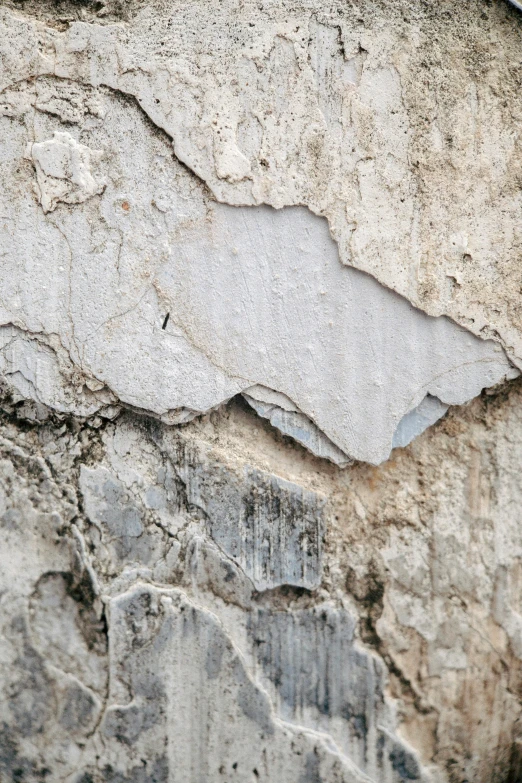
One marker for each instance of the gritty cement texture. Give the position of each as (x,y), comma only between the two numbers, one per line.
(260,415)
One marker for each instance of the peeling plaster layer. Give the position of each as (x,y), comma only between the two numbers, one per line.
(282,413)
(397,122)
(427,412)
(112,237)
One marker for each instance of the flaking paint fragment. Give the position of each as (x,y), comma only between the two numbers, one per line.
(282,414)
(427,412)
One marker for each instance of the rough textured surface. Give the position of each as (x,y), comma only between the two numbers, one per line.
(165,679)
(137,645)
(260,422)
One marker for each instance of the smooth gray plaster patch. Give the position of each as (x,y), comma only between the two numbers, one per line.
(416,421)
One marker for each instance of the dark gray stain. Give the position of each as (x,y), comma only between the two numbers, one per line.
(368,590)
(78,710)
(311,773)
(218,653)
(311,657)
(14,766)
(156,771)
(514,773)
(252,701)
(517,4)
(30,695)
(273,529)
(404,764)
(216,649)
(126,724)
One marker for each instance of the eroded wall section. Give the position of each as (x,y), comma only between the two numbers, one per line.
(260,418)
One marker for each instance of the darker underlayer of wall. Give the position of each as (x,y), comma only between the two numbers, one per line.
(129,521)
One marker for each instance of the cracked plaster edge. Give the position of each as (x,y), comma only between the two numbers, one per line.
(296,425)
(326,448)
(269,404)
(281,412)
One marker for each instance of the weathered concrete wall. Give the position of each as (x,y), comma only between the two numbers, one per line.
(261,421)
